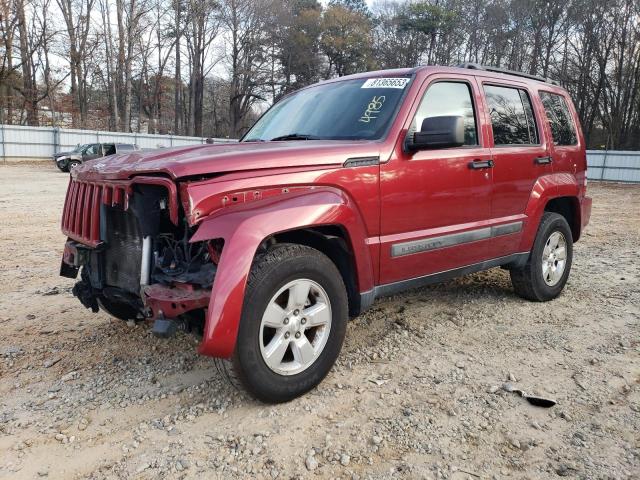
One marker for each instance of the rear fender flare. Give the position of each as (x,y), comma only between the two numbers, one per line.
(545,189)
(245,227)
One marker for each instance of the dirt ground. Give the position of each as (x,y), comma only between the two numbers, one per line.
(416,392)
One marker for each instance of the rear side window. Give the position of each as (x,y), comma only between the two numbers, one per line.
(125,146)
(445,99)
(563,130)
(512,117)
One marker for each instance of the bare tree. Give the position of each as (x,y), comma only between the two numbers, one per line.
(202,26)
(245,21)
(77,18)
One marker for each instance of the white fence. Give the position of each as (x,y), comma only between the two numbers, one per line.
(37,143)
(613,165)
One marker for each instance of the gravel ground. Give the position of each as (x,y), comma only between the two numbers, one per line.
(416,392)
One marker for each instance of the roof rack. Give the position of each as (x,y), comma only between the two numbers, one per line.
(477,66)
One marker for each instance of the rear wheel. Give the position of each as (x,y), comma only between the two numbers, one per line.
(73,164)
(546,272)
(293,324)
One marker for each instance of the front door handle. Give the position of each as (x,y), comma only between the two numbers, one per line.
(478,164)
(542,160)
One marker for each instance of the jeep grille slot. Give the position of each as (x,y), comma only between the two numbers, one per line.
(81,214)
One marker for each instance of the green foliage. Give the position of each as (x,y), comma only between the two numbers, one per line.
(425,18)
(346,40)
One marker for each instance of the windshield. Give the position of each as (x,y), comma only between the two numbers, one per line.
(347,110)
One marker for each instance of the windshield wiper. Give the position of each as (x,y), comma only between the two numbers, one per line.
(295,136)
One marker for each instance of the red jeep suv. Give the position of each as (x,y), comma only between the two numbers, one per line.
(342,192)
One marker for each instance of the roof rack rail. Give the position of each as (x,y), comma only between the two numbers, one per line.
(477,66)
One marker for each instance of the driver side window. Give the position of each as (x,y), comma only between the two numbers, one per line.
(92,150)
(446,99)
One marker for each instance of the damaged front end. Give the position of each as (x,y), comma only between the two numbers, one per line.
(130,244)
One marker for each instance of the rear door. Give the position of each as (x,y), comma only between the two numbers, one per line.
(435,206)
(520,155)
(109,149)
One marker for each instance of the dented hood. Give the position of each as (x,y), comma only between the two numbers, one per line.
(222,158)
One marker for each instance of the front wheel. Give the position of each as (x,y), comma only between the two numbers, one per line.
(62,166)
(73,164)
(293,324)
(546,272)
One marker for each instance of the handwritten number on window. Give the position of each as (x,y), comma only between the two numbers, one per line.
(373,109)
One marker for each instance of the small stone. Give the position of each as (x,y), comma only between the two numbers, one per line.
(460,365)
(511,377)
(69,376)
(376,440)
(493,389)
(565,469)
(43,472)
(51,362)
(311,463)
(566,416)
(345,459)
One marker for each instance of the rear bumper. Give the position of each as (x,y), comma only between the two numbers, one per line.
(585,211)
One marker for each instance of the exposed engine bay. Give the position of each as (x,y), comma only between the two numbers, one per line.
(143,266)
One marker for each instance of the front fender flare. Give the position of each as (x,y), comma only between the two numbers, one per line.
(245,227)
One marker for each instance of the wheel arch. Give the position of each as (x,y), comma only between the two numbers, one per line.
(559,193)
(324,219)
(569,208)
(333,241)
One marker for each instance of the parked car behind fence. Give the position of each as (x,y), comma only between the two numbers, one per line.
(66,161)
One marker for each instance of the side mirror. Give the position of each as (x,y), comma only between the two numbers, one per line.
(439,132)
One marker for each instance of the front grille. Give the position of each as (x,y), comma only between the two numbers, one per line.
(81,214)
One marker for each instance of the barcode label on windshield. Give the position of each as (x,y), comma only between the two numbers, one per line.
(399,82)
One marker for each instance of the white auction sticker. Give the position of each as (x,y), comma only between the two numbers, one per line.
(397,82)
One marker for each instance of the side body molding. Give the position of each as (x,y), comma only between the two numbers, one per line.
(244,227)
(546,188)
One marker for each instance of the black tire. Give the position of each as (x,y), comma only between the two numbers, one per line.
(528,281)
(271,271)
(63,167)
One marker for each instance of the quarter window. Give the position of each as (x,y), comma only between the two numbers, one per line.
(563,130)
(512,117)
(448,99)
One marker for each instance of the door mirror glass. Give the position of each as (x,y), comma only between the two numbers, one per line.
(439,132)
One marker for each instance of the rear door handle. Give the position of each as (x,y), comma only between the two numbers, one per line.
(542,160)
(478,164)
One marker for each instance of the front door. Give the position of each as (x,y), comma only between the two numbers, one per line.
(93,151)
(436,204)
